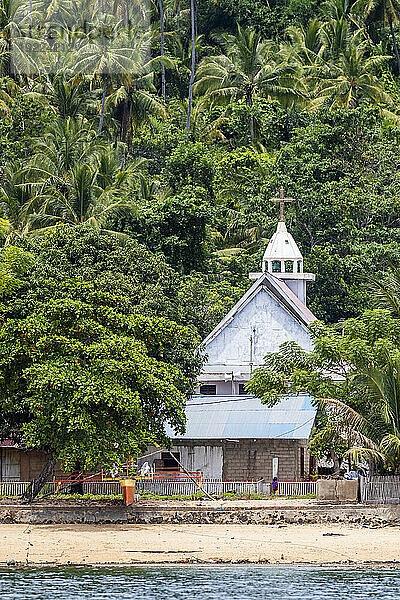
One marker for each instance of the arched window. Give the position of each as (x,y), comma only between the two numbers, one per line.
(289,266)
(276,266)
(299,269)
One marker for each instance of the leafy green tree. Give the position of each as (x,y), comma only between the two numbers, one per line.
(175,225)
(79,254)
(13,263)
(353,373)
(190,164)
(86,375)
(74,179)
(87,384)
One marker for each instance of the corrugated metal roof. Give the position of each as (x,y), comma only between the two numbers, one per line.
(221,417)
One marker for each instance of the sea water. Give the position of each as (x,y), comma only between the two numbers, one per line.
(199,583)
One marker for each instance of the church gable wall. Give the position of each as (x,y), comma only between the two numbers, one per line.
(273,325)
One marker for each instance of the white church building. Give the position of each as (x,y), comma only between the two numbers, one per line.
(231,434)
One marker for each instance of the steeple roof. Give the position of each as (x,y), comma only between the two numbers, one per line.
(282,246)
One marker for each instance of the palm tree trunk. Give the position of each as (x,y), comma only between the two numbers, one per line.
(249,102)
(103,101)
(38,483)
(189,113)
(124,124)
(252,128)
(126,14)
(162,48)
(395,46)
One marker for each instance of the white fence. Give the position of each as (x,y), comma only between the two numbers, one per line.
(186,487)
(101,487)
(215,487)
(380,490)
(17,488)
(296,488)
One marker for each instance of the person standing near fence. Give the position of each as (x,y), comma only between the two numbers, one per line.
(274,485)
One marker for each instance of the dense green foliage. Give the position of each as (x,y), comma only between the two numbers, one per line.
(137,158)
(290,92)
(86,373)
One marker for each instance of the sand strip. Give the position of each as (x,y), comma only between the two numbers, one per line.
(144,544)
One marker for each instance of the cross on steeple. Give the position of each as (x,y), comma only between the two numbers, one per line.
(282,201)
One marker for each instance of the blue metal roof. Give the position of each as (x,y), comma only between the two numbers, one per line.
(221,417)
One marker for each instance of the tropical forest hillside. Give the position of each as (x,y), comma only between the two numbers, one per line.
(140,143)
(173,123)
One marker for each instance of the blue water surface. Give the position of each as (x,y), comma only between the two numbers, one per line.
(199,582)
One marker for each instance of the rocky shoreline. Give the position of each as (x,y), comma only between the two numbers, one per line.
(202,513)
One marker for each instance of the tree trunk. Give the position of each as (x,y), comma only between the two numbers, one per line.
(151,127)
(126,14)
(396,49)
(103,101)
(249,102)
(124,124)
(162,48)
(37,484)
(189,113)
(336,464)
(196,13)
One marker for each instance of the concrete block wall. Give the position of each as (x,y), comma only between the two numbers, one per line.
(252,459)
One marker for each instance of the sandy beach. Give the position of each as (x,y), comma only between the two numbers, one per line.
(125,544)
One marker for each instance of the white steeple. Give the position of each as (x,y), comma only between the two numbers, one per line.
(282,254)
(282,257)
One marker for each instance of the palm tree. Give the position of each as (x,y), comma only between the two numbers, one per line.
(19,53)
(135,97)
(162,32)
(107,51)
(385,291)
(375,429)
(17,201)
(305,47)
(68,95)
(89,192)
(67,143)
(249,68)
(385,12)
(350,78)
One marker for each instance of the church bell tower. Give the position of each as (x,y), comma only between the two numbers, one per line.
(283,259)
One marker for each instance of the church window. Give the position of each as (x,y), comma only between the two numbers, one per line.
(299,266)
(276,266)
(288,266)
(208,389)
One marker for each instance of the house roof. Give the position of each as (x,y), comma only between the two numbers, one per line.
(279,290)
(241,417)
